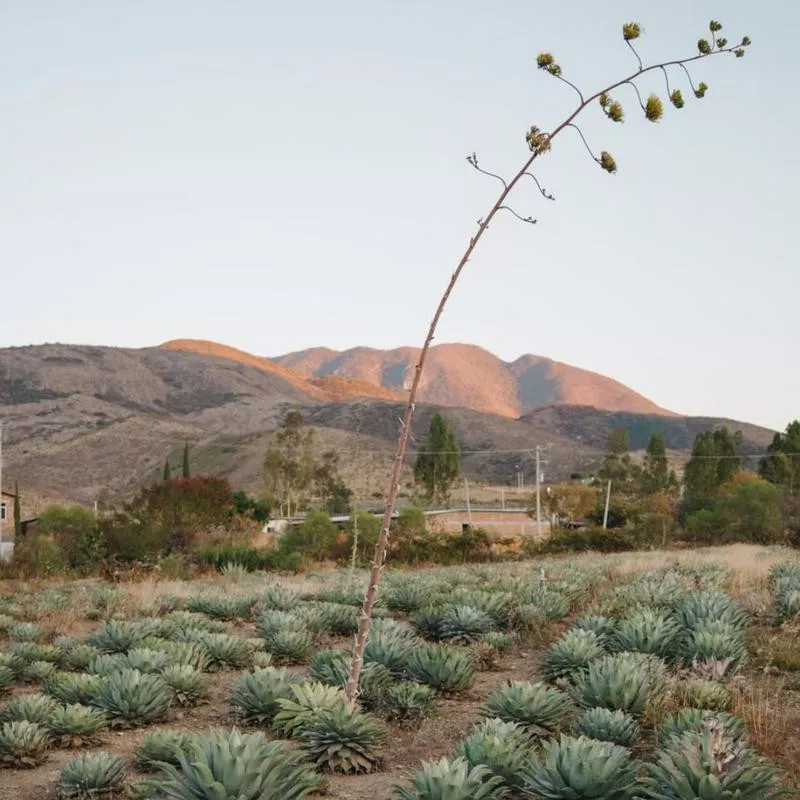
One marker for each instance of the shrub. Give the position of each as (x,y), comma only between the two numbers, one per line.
(92,775)
(338,740)
(248,766)
(537,708)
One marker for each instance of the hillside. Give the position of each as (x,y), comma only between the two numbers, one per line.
(471,377)
(84,422)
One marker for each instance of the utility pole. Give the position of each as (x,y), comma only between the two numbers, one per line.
(469,508)
(608,501)
(538,501)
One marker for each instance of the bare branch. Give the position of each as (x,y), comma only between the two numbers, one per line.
(583,139)
(666,78)
(510,210)
(688,75)
(473,160)
(633,50)
(638,94)
(570,83)
(541,188)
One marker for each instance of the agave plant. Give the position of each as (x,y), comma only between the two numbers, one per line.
(499,640)
(539,709)
(13,663)
(38,671)
(452,780)
(714,640)
(338,620)
(503,747)
(26,632)
(276,620)
(646,630)
(80,656)
(446,669)
(133,698)
(695,720)
(570,654)
(116,636)
(35,651)
(575,767)
(92,775)
(624,682)
(788,599)
(188,686)
(147,660)
(427,621)
(706,694)
(261,659)
(279,598)
(407,596)
(464,624)
(782,570)
(23,744)
(228,764)
(705,605)
(189,654)
(290,646)
(307,700)
(616,727)
(30,707)
(603,626)
(6,679)
(164,747)
(75,725)
(73,687)
(226,651)
(710,766)
(390,648)
(107,664)
(222,607)
(332,666)
(339,740)
(255,697)
(407,702)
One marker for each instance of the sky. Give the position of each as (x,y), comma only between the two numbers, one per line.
(277,176)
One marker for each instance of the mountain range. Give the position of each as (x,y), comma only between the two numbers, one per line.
(85,422)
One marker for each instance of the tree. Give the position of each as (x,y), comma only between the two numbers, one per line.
(437,464)
(17,513)
(617,466)
(714,461)
(539,144)
(288,470)
(247,506)
(330,488)
(75,530)
(167,476)
(314,538)
(781,465)
(186,470)
(656,476)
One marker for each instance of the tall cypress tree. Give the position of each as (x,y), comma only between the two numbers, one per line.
(167,471)
(655,473)
(186,469)
(17,513)
(437,465)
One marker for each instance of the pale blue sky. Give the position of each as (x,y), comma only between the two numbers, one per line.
(266,174)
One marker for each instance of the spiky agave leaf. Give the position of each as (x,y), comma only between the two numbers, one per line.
(427,621)
(452,780)
(501,641)
(714,640)
(538,708)
(572,653)
(706,694)
(92,775)
(116,636)
(164,747)
(575,767)
(464,624)
(307,700)
(255,696)
(190,654)
(391,649)
(31,707)
(73,687)
(275,620)
(6,678)
(226,651)
(338,740)
(80,656)
(446,669)
(290,646)
(35,651)
(279,598)
(107,664)
(75,725)
(147,660)
(23,744)
(222,607)
(38,671)
(623,681)
(695,720)
(708,765)
(244,766)
(616,727)
(705,605)
(133,698)
(332,668)
(504,747)
(26,632)
(408,702)
(408,595)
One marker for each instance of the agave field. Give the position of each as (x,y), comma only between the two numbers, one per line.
(657,676)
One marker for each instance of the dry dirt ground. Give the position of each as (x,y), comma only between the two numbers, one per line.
(767,698)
